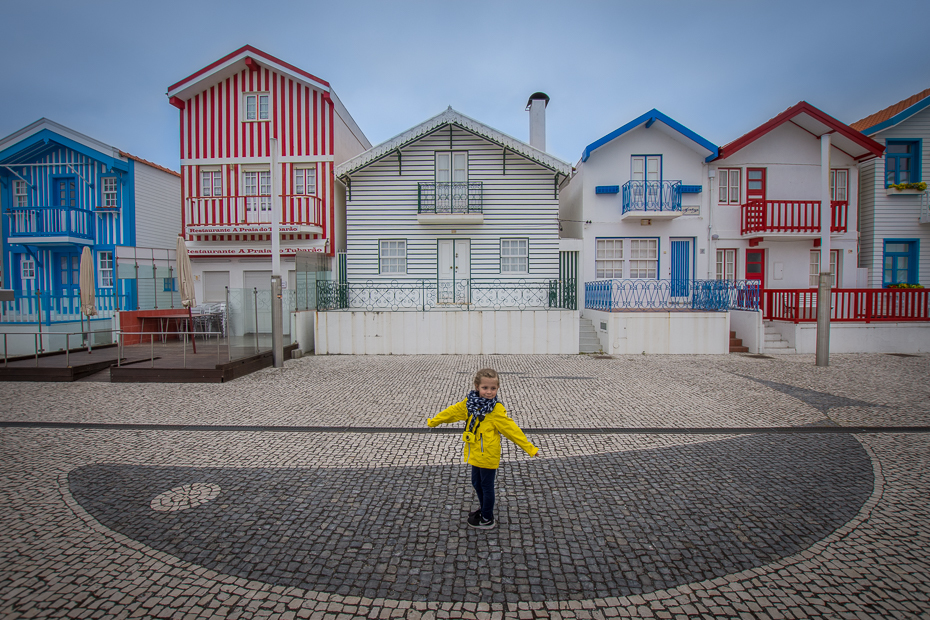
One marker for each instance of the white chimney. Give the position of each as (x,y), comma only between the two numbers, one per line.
(537,108)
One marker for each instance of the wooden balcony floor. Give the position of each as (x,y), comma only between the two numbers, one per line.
(166,362)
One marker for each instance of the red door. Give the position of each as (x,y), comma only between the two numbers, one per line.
(755,271)
(755,184)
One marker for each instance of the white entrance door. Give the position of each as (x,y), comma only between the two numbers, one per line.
(454,270)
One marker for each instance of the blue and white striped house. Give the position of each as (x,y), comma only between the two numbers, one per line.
(61,191)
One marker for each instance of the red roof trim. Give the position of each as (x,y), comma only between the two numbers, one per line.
(802,107)
(251,50)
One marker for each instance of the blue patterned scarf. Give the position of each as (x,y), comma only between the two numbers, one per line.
(479,407)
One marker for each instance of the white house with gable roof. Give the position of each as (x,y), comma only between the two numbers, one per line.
(452,245)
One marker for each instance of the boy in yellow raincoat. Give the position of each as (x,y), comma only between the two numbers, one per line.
(486,420)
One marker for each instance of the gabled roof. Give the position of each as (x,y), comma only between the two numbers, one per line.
(816,123)
(671,127)
(233,63)
(451,117)
(893,114)
(33,141)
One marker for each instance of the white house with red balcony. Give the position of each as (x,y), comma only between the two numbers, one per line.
(767,226)
(259,140)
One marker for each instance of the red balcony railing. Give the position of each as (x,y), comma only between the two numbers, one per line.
(852,304)
(241,210)
(790,216)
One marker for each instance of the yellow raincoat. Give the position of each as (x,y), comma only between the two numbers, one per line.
(485,451)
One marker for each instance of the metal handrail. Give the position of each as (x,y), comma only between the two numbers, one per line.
(707,295)
(445,294)
(450,197)
(651,196)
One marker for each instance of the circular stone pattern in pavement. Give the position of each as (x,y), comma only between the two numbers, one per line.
(594,526)
(184,497)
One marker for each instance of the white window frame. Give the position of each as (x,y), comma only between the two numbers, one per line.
(20,193)
(515,255)
(109,192)
(728,192)
(644,259)
(302,181)
(814,271)
(843,188)
(635,258)
(105,268)
(726,264)
(27,269)
(257,184)
(451,167)
(211,183)
(392,256)
(257,113)
(608,261)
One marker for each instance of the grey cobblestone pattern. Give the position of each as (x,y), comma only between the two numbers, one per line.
(652,519)
(58,560)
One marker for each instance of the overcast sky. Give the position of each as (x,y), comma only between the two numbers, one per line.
(719,67)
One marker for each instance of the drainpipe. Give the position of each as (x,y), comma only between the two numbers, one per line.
(711,246)
(823,290)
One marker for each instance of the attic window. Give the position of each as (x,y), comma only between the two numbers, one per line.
(256,106)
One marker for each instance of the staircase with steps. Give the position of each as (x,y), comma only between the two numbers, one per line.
(736,344)
(774,343)
(588,341)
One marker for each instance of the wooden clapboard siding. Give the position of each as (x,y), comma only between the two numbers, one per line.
(894,217)
(519,204)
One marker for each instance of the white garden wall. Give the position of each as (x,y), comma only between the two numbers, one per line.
(459,332)
(749,327)
(904,337)
(662,332)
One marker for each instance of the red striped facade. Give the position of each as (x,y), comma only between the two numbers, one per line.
(216,136)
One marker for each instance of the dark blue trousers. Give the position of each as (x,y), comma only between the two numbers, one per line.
(483,481)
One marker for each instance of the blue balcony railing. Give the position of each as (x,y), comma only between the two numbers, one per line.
(463,197)
(707,295)
(50,222)
(60,307)
(651,196)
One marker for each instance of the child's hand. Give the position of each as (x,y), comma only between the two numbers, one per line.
(537,453)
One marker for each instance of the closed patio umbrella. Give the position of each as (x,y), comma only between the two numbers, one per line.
(88,292)
(186,282)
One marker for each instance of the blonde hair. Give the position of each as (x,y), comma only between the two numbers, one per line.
(486,373)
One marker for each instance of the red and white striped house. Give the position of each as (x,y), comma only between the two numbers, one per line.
(232,113)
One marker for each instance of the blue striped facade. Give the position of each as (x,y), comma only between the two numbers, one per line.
(51,233)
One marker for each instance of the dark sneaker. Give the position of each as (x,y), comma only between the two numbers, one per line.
(482,523)
(474,518)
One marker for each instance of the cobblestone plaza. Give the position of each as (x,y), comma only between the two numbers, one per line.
(730,486)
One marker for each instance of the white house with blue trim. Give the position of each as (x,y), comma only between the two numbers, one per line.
(62,191)
(638,202)
(894,219)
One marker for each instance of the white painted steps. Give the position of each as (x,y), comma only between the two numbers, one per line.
(588,341)
(775,344)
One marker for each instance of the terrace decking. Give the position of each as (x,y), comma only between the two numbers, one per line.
(143,363)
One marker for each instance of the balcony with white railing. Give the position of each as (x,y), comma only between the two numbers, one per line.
(652,199)
(49,225)
(792,218)
(223,215)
